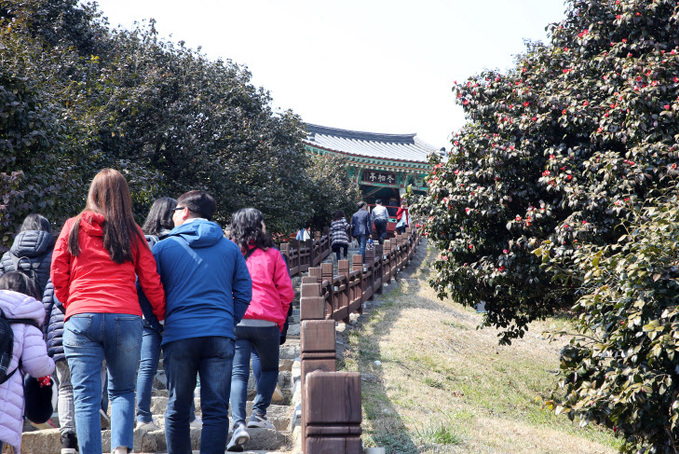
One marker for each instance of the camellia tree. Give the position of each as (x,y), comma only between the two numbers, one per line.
(541,205)
(554,155)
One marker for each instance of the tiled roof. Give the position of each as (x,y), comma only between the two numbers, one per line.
(401,147)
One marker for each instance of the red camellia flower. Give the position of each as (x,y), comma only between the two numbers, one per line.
(667,107)
(534,118)
(518,218)
(465,102)
(618,17)
(467,210)
(505,251)
(526,104)
(457,171)
(569,177)
(471,247)
(585,103)
(674,166)
(545,173)
(564,112)
(624,40)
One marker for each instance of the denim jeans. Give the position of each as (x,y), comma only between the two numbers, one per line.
(148,366)
(362,241)
(88,340)
(262,343)
(212,358)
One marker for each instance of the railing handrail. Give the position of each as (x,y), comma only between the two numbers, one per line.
(327,425)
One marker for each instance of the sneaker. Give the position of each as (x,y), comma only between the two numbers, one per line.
(196,423)
(148,426)
(238,439)
(69,443)
(260,422)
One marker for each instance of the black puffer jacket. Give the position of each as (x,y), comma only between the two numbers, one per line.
(54,323)
(33,249)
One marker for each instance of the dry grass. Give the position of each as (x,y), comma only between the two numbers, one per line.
(433,383)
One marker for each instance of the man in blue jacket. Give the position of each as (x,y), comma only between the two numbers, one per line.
(362,226)
(208,289)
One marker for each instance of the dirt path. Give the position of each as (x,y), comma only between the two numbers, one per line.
(433,383)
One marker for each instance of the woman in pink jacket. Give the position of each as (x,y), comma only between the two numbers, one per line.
(19,299)
(258,333)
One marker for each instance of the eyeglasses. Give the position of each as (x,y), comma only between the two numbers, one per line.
(178,208)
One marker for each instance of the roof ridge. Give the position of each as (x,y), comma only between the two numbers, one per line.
(360,135)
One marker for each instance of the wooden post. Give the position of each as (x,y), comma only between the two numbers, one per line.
(311,301)
(327,276)
(331,413)
(317,346)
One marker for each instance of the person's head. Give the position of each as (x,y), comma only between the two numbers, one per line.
(19,282)
(362,205)
(404,203)
(339,214)
(247,227)
(109,195)
(160,216)
(194,204)
(36,222)
(378,201)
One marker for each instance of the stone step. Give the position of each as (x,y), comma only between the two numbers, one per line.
(47,441)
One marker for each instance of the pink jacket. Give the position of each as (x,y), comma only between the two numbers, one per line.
(30,347)
(272,290)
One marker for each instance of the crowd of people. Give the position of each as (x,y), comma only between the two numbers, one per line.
(361,227)
(110,295)
(114,294)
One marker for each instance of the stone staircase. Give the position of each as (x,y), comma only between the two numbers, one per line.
(283,412)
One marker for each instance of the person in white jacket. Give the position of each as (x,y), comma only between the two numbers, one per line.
(19,299)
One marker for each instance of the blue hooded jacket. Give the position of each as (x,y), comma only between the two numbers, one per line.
(206,281)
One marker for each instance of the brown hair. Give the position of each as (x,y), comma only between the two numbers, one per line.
(109,195)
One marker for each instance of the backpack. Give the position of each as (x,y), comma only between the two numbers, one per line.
(31,272)
(7,343)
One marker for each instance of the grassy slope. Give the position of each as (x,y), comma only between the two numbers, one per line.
(433,383)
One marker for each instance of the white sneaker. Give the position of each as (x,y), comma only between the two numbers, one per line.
(238,439)
(148,426)
(260,421)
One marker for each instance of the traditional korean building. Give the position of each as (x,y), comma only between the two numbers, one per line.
(383,165)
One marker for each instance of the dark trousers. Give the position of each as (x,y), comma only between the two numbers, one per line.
(337,247)
(381,229)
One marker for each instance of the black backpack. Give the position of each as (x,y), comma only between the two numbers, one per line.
(7,343)
(31,271)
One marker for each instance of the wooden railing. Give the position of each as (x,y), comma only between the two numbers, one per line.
(301,255)
(331,401)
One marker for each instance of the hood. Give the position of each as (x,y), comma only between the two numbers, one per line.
(18,305)
(32,243)
(92,223)
(199,233)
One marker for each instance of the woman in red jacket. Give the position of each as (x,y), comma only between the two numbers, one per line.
(96,260)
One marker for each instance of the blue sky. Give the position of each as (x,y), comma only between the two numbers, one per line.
(369,65)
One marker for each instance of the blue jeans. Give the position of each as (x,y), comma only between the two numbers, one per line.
(212,358)
(148,366)
(88,340)
(262,343)
(362,241)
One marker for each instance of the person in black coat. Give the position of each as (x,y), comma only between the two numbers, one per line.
(31,252)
